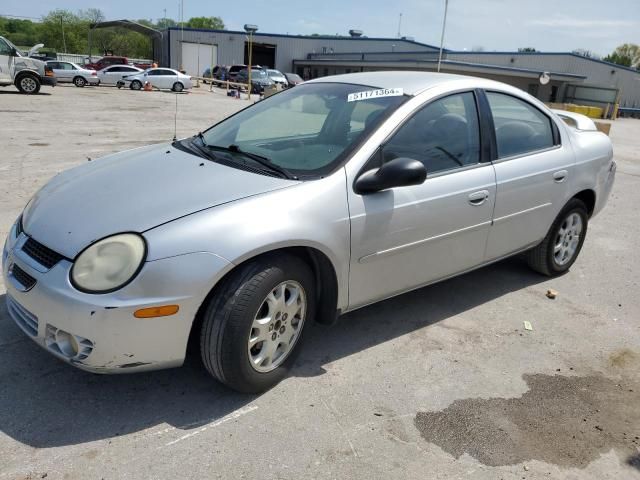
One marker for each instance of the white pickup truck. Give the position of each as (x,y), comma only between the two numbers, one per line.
(26,73)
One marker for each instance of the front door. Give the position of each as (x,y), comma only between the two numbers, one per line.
(6,62)
(406,237)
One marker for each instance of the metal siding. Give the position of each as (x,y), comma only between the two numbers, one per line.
(597,73)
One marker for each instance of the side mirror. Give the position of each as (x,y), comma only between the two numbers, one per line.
(399,172)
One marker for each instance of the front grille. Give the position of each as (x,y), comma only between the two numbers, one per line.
(27,321)
(41,254)
(26,280)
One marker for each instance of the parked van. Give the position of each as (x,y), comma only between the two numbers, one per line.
(26,73)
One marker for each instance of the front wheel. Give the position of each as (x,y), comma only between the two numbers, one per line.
(253,324)
(562,245)
(28,84)
(136,85)
(79,82)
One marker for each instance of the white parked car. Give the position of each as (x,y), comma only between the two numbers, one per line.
(164,78)
(113,74)
(70,72)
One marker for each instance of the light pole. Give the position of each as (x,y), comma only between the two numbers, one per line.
(64,41)
(250,29)
(444,24)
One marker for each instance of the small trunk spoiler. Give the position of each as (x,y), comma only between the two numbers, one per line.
(576,120)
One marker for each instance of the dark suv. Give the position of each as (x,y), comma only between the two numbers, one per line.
(259,79)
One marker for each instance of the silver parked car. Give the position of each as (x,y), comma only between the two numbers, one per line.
(162,78)
(73,73)
(278,77)
(336,194)
(113,74)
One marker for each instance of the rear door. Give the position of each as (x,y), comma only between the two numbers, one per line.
(532,168)
(110,75)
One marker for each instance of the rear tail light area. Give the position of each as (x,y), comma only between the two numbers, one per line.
(48,72)
(94,73)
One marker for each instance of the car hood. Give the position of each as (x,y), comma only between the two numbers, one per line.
(133,191)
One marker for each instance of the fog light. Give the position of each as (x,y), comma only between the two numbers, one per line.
(67,343)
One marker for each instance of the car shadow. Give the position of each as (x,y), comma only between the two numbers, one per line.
(16,92)
(47,403)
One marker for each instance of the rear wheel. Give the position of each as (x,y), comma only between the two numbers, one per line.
(253,324)
(562,245)
(177,87)
(28,84)
(79,82)
(136,85)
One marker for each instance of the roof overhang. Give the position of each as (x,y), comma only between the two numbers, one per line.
(448,65)
(128,24)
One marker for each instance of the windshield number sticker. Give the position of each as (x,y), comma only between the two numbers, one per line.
(383,92)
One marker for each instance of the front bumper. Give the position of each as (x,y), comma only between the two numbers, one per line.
(99,333)
(49,81)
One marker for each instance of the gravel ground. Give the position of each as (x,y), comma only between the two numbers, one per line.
(440,383)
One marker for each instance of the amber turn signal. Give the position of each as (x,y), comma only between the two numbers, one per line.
(152,312)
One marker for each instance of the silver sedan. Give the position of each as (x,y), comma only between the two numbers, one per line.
(327,197)
(73,73)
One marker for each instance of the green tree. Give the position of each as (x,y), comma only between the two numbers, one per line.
(213,23)
(627,55)
(165,23)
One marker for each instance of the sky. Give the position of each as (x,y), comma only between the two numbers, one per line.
(547,25)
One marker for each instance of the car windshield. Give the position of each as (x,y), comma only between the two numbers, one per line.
(274,73)
(306,130)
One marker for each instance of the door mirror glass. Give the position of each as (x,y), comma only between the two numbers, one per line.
(399,172)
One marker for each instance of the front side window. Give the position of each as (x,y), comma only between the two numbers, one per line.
(5,49)
(520,127)
(307,129)
(444,135)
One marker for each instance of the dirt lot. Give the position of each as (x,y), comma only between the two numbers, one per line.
(440,383)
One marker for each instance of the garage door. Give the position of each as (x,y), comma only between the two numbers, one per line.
(198,57)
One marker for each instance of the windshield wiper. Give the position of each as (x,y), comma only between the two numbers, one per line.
(264,161)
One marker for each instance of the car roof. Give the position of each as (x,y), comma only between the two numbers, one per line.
(412,83)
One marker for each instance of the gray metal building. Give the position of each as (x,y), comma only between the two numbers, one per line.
(573,78)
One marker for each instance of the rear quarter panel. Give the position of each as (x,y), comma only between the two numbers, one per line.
(595,169)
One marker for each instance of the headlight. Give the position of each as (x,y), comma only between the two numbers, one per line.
(109,264)
(19,228)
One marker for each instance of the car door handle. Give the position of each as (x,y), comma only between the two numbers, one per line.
(560,176)
(478,198)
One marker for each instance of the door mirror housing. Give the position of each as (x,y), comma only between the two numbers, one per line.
(399,172)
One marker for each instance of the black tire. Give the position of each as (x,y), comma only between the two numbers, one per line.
(136,85)
(28,83)
(177,87)
(79,82)
(542,258)
(229,314)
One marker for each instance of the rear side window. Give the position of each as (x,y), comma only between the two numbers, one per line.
(520,127)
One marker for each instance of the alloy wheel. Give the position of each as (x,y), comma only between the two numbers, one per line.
(277,326)
(567,239)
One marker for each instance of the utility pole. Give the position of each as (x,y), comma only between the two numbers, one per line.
(250,29)
(64,42)
(399,26)
(444,24)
